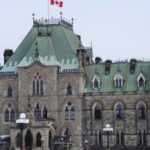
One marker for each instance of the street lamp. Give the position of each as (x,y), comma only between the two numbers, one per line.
(108,129)
(22,122)
(86,143)
(42,140)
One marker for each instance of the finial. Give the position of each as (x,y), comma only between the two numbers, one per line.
(61,15)
(33,17)
(72,21)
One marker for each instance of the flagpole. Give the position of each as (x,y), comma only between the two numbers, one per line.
(48,10)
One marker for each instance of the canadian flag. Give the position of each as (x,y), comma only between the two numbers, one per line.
(59,3)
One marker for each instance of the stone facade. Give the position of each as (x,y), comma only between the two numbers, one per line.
(68,108)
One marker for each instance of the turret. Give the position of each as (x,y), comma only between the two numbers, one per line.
(7,54)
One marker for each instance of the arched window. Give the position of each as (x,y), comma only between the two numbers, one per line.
(67,136)
(45,112)
(119,112)
(96,82)
(141,112)
(141,80)
(118,80)
(28,140)
(37,112)
(38,140)
(97,112)
(69,111)
(9,91)
(10,115)
(37,85)
(69,89)
(6,115)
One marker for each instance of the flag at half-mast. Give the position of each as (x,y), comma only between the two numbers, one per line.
(58,3)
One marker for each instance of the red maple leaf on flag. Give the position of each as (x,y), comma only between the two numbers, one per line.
(59,3)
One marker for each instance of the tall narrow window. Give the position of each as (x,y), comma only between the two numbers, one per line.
(9,92)
(45,113)
(37,112)
(6,115)
(96,82)
(38,140)
(119,112)
(97,111)
(117,138)
(69,111)
(37,85)
(69,89)
(10,115)
(141,112)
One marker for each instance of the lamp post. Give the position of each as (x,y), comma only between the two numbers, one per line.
(42,140)
(86,143)
(108,129)
(22,122)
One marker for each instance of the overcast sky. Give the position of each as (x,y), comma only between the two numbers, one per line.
(117,29)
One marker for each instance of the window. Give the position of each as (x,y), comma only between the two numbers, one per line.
(98,138)
(96,82)
(67,136)
(141,80)
(69,111)
(142,140)
(10,115)
(9,91)
(37,85)
(118,79)
(97,112)
(119,112)
(120,138)
(38,140)
(45,113)
(69,89)
(37,112)
(141,112)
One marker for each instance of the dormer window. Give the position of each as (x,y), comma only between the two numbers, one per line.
(141,80)
(118,79)
(95,82)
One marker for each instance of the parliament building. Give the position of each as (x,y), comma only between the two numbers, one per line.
(68,97)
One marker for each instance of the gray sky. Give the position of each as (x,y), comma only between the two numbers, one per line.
(117,29)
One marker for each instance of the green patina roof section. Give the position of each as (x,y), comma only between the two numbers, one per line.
(107,81)
(57,49)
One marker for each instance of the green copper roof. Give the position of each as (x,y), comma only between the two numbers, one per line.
(107,81)
(56,45)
